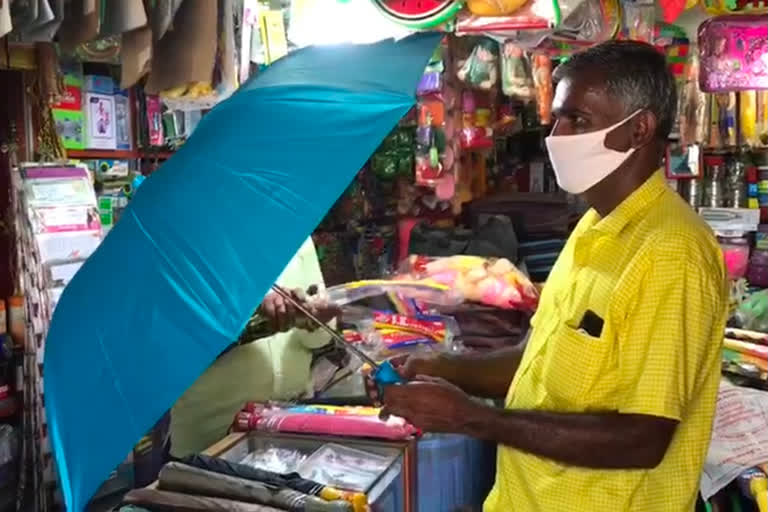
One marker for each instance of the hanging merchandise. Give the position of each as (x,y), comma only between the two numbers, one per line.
(693,107)
(732,52)
(533,15)
(640,20)
(542,78)
(394,158)
(723,7)
(516,76)
(494,7)
(476,130)
(480,69)
(762,118)
(748,118)
(419,14)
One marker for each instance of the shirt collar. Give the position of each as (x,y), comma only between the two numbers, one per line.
(635,204)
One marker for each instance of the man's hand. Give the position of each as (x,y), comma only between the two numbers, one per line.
(408,366)
(429,403)
(283,316)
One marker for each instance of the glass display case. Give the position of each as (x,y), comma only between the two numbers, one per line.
(384,470)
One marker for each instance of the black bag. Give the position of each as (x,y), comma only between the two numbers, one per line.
(494,239)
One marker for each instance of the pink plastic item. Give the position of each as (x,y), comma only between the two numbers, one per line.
(733,53)
(736,260)
(326,424)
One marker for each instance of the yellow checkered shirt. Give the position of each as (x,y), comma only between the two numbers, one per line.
(652,270)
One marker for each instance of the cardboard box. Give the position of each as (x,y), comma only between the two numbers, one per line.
(70,126)
(123,120)
(99,84)
(72,99)
(731,219)
(101,132)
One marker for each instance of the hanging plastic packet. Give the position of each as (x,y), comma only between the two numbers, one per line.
(430,141)
(516,77)
(748,117)
(480,69)
(494,7)
(640,19)
(542,78)
(762,118)
(476,116)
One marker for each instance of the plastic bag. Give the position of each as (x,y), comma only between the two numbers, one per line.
(479,70)
(494,282)
(277,460)
(516,77)
(542,78)
(476,115)
(430,140)
(426,291)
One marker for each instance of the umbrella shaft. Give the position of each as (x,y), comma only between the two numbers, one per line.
(332,332)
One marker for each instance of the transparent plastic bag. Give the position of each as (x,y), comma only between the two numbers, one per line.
(516,76)
(277,460)
(490,281)
(425,291)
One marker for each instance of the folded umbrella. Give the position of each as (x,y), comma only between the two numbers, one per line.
(203,240)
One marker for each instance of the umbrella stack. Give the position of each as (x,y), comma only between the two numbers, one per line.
(746,352)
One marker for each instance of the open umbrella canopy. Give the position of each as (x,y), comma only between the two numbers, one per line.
(206,235)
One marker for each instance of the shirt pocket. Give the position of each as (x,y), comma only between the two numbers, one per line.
(580,371)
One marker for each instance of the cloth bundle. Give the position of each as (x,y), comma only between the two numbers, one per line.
(746,352)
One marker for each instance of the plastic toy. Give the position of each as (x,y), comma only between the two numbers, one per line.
(495,282)
(494,7)
(419,14)
(516,78)
(476,131)
(733,53)
(479,70)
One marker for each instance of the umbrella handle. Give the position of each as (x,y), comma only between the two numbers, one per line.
(386,375)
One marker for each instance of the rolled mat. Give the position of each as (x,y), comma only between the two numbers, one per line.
(160,501)
(180,477)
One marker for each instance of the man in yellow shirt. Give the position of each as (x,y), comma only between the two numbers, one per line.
(609,403)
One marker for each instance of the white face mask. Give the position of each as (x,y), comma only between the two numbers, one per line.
(582,161)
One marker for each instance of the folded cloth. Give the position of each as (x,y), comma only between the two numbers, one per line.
(188,479)
(161,501)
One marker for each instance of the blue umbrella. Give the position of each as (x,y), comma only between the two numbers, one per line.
(199,246)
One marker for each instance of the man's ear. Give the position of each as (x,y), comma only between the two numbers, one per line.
(643,127)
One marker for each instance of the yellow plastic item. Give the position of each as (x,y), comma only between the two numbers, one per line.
(748,117)
(720,8)
(494,7)
(759,489)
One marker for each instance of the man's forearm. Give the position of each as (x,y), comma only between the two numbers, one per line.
(486,375)
(600,441)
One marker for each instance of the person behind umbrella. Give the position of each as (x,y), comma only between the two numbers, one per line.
(270,361)
(609,403)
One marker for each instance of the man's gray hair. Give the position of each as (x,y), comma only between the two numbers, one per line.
(634,73)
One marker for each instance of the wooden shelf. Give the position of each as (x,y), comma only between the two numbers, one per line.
(132,154)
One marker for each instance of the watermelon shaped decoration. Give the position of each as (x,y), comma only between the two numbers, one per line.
(419,14)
